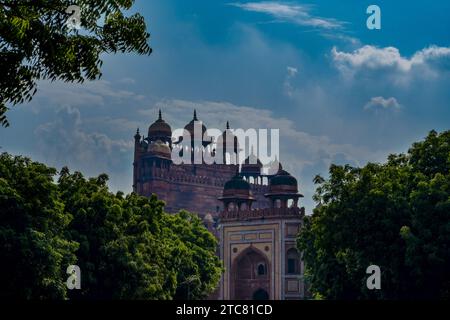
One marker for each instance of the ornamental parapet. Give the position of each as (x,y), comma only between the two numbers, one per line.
(266,213)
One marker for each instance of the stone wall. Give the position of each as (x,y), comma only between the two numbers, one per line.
(191,187)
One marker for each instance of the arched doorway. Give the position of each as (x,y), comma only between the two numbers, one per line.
(250,274)
(260,294)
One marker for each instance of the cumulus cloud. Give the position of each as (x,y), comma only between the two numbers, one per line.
(372,57)
(289,12)
(64,142)
(377,103)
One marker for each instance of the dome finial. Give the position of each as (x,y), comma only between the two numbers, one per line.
(195,115)
(137,135)
(160,116)
(228,125)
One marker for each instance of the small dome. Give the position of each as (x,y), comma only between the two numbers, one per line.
(190,126)
(160,149)
(283,182)
(237,182)
(159,128)
(237,188)
(283,178)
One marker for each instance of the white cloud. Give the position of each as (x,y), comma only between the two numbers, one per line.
(295,13)
(64,142)
(292,71)
(377,103)
(372,57)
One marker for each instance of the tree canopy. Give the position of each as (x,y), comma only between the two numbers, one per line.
(37,44)
(127,247)
(395,215)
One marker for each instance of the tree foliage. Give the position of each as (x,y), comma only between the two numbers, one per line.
(127,247)
(36,43)
(395,215)
(34,252)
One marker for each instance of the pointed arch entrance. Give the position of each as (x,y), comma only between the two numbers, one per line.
(251,276)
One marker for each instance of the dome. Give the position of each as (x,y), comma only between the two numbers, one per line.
(159,128)
(283,178)
(190,126)
(283,182)
(237,188)
(237,182)
(159,149)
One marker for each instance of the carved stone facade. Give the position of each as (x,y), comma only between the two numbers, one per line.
(256,217)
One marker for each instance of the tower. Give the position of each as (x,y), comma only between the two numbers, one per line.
(260,216)
(152,156)
(257,246)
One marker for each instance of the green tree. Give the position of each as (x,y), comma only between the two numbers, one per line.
(395,215)
(191,247)
(36,43)
(127,247)
(34,252)
(122,253)
(131,249)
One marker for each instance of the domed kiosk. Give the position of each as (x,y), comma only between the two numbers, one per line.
(237,194)
(283,189)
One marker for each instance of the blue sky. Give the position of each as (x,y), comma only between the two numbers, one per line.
(338,92)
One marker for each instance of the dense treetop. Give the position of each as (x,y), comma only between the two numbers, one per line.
(395,215)
(127,247)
